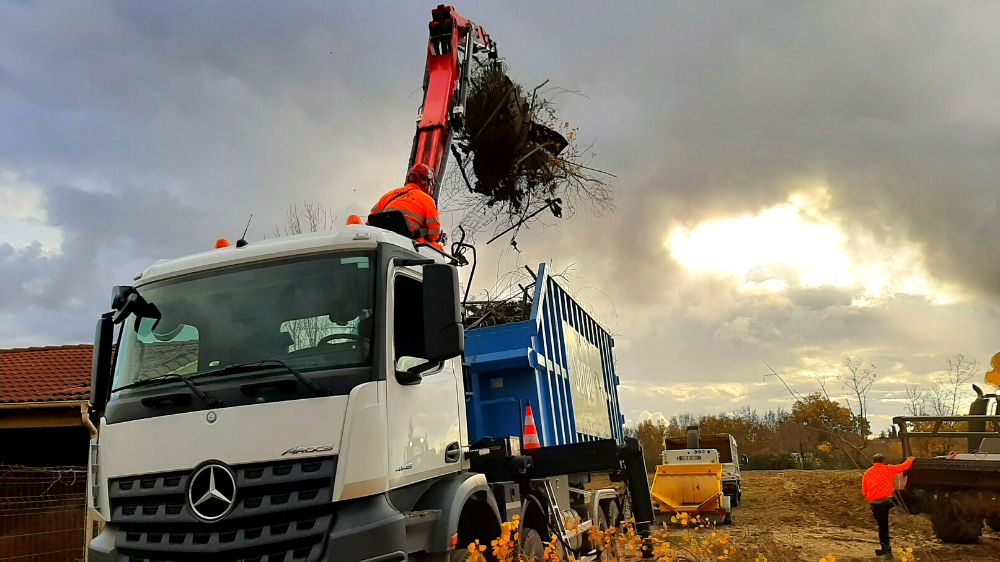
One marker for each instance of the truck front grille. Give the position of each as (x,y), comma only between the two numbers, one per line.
(281,512)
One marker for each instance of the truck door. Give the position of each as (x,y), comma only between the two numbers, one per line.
(425,420)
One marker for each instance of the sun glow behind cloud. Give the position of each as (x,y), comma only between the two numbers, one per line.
(797,244)
(24,218)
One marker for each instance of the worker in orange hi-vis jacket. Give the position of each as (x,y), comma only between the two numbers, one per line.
(416,205)
(878,485)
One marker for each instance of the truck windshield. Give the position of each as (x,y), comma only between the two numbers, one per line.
(310,313)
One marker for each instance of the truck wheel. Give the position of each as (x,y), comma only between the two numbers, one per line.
(610,514)
(602,520)
(532,547)
(953,526)
(994,522)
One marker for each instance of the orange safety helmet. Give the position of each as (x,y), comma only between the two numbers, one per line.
(422,175)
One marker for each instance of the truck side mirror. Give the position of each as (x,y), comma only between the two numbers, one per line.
(744,461)
(100,369)
(444,335)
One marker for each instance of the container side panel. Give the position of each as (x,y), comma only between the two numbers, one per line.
(560,362)
(551,353)
(611,383)
(571,313)
(500,399)
(586,373)
(561,311)
(481,341)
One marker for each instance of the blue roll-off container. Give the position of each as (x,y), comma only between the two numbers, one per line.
(560,362)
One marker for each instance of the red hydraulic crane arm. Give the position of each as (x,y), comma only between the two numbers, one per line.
(453,42)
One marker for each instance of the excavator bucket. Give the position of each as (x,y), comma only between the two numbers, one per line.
(549,139)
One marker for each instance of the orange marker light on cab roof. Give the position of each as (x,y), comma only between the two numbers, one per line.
(353,219)
(221,243)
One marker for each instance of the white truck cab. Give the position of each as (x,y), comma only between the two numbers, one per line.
(259,383)
(303,399)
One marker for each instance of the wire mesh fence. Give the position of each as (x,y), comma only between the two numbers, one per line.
(42,514)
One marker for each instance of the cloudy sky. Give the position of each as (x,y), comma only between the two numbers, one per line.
(797,183)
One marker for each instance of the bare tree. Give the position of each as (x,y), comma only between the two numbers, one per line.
(823,381)
(950,388)
(312,217)
(916,400)
(858,381)
(944,397)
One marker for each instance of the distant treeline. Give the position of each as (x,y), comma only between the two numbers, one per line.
(816,433)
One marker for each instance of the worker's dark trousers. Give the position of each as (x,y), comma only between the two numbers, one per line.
(881,512)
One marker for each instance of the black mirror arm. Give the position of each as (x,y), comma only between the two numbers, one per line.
(453,260)
(423,367)
(126,308)
(415,374)
(408,377)
(403,262)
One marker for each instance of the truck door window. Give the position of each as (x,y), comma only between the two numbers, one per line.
(408,320)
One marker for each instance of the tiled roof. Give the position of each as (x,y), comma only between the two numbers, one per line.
(45,374)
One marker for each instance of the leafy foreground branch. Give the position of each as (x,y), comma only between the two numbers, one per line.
(685,539)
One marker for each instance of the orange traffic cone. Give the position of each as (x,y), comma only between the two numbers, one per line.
(530,433)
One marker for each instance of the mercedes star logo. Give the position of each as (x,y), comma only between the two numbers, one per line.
(212,492)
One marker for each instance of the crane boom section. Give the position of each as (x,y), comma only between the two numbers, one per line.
(450,49)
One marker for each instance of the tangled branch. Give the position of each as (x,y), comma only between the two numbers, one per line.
(515,154)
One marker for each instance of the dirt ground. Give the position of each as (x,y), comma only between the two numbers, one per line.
(804,515)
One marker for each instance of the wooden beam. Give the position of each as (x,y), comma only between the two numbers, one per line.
(36,418)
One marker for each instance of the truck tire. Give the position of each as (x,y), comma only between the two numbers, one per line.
(994,522)
(952,525)
(609,514)
(602,520)
(532,547)
(734,499)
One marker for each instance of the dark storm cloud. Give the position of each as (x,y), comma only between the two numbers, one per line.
(725,105)
(106,240)
(153,129)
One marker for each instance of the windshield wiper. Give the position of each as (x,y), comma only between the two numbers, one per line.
(251,366)
(169,377)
